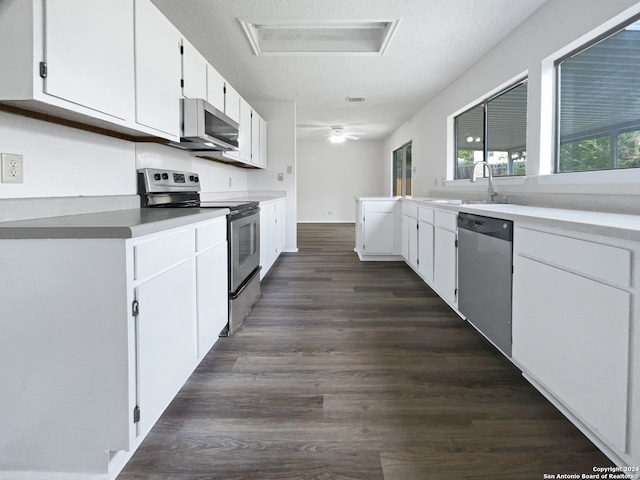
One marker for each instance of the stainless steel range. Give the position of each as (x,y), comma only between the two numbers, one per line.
(174,189)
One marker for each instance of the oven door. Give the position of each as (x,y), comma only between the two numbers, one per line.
(244,244)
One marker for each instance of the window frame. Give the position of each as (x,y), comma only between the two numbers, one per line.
(614,131)
(485,139)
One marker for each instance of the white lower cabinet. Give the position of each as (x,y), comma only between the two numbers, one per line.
(425,249)
(212,295)
(445,265)
(166,339)
(572,307)
(272,233)
(378,235)
(418,239)
(121,324)
(409,248)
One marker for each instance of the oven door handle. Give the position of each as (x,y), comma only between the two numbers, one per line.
(236,294)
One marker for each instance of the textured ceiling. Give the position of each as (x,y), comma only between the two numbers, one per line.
(435,42)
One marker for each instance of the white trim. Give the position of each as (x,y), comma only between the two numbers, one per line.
(483,182)
(597,177)
(599,30)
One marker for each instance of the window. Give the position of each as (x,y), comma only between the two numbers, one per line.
(494,131)
(598,92)
(402,171)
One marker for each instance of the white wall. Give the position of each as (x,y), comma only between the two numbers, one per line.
(214,176)
(61,161)
(282,158)
(530,49)
(330,176)
(70,171)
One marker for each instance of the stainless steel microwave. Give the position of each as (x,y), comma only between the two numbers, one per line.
(205,128)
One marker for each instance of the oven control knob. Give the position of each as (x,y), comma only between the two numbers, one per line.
(156,176)
(192,178)
(196,179)
(165,176)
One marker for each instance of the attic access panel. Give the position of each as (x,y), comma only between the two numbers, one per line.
(326,38)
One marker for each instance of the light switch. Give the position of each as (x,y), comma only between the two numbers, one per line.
(280,177)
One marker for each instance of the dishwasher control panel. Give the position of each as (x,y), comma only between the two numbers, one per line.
(494,227)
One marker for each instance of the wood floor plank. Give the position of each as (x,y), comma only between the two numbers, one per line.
(352,370)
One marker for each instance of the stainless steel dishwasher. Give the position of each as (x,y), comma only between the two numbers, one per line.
(485,259)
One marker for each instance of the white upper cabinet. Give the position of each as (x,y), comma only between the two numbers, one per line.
(72,59)
(244,138)
(158,71)
(194,72)
(90,60)
(215,88)
(263,143)
(232,103)
(116,65)
(255,138)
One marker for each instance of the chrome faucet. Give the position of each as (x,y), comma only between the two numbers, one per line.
(491,193)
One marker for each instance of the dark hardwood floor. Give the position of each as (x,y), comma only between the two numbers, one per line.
(356,371)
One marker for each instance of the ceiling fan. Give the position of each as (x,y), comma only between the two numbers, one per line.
(337,135)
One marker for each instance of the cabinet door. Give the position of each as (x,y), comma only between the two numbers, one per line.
(212,294)
(244,137)
(231,102)
(158,70)
(166,340)
(263,143)
(572,334)
(89,54)
(194,72)
(413,243)
(378,233)
(275,232)
(265,249)
(445,264)
(404,237)
(425,251)
(215,89)
(255,138)
(409,247)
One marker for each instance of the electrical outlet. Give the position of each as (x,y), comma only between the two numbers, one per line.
(230,181)
(289,169)
(12,168)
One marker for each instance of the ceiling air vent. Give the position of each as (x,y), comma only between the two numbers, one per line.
(355,99)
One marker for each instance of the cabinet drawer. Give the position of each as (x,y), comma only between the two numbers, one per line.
(410,209)
(606,263)
(211,234)
(379,207)
(426,214)
(446,220)
(159,254)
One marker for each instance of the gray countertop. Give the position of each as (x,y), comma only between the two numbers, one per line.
(115,224)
